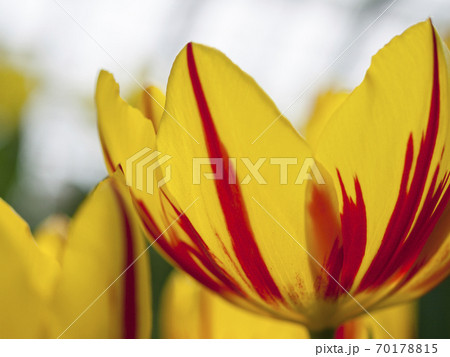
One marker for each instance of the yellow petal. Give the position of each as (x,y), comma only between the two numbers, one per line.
(151,104)
(242,234)
(229,225)
(387,148)
(14,91)
(51,236)
(431,267)
(124,130)
(27,277)
(191,311)
(326,104)
(102,294)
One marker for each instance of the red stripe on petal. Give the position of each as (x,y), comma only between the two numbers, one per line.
(348,249)
(334,268)
(350,329)
(196,260)
(354,234)
(409,229)
(130,286)
(179,252)
(231,200)
(423,245)
(203,252)
(340,333)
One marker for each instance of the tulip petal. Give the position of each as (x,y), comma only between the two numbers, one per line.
(105,285)
(124,130)
(326,104)
(387,147)
(51,236)
(191,311)
(152,105)
(225,111)
(27,277)
(430,268)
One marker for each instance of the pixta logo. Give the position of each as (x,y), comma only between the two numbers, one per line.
(141,170)
(141,167)
(306,170)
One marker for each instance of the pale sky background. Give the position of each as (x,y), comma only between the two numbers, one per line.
(289,46)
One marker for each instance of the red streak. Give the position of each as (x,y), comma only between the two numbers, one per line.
(186,256)
(406,235)
(203,253)
(130,304)
(354,234)
(231,200)
(348,330)
(347,253)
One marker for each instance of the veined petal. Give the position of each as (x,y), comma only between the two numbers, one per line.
(387,148)
(430,268)
(27,277)
(123,130)
(225,111)
(104,290)
(241,230)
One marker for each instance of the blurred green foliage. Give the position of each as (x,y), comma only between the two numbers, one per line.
(14,92)
(160,272)
(9,150)
(434,312)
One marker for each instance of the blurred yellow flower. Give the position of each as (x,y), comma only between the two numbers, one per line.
(14,91)
(374,234)
(49,281)
(189,310)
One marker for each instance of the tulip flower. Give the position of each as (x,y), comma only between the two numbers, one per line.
(69,281)
(365,226)
(189,310)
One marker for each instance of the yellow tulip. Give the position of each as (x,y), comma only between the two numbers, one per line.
(189,310)
(58,283)
(14,90)
(373,233)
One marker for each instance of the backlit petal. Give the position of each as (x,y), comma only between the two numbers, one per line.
(325,105)
(151,104)
(27,278)
(51,236)
(387,148)
(123,130)
(225,111)
(191,311)
(99,271)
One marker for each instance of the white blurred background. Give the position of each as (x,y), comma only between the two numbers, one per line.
(291,47)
